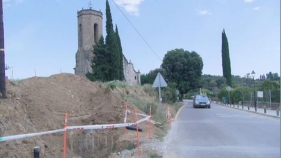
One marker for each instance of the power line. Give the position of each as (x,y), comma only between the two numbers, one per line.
(136,30)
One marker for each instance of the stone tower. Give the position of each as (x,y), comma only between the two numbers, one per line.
(89,33)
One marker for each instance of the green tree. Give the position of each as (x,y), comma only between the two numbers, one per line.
(276,77)
(206,92)
(100,63)
(150,77)
(269,85)
(107,63)
(169,94)
(272,76)
(223,93)
(272,86)
(275,95)
(239,94)
(144,79)
(213,83)
(184,69)
(120,55)
(112,46)
(226,59)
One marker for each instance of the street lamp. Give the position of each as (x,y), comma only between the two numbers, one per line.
(253,75)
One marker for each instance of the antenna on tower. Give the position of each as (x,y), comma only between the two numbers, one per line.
(90,5)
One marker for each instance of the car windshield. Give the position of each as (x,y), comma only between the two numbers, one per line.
(201,97)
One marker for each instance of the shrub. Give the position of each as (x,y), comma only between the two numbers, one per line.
(162,121)
(111,85)
(238,94)
(127,92)
(275,95)
(155,156)
(120,84)
(113,148)
(223,93)
(149,89)
(130,147)
(169,95)
(154,108)
(15,81)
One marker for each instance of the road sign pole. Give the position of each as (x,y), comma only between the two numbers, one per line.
(229,98)
(159,82)
(228,88)
(159,90)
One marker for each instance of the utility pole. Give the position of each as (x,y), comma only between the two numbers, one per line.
(2,56)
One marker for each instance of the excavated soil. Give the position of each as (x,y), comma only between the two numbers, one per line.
(39,104)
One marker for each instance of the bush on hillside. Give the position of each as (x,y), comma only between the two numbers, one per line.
(169,95)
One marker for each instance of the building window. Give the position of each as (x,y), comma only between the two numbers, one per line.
(80,36)
(135,77)
(96,30)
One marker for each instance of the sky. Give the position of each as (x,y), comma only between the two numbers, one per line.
(41,37)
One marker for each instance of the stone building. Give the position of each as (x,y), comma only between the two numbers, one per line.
(90,29)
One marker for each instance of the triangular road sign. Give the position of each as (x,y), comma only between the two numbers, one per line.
(159,81)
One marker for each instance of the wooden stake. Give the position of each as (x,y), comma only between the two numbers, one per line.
(138,142)
(149,124)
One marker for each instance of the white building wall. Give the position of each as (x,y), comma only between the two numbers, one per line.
(132,77)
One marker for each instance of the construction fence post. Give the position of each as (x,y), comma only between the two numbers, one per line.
(125,119)
(64,135)
(137,129)
(149,124)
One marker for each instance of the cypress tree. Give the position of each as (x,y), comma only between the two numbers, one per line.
(100,63)
(107,63)
(112,46)
(226,59)
(120,54)
(109,25)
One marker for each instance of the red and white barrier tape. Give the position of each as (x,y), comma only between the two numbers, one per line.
(14,137)
(86,127)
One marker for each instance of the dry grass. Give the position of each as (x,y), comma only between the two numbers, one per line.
(144,97)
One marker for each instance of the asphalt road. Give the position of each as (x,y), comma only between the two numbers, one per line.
(222,132)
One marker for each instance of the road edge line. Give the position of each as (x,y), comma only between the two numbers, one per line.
(179,112)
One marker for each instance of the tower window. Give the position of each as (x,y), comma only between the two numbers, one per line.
(80,36)
(96,33)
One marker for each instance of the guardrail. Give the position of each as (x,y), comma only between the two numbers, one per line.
(264,110)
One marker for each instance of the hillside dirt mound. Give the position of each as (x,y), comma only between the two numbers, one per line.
(39,104)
